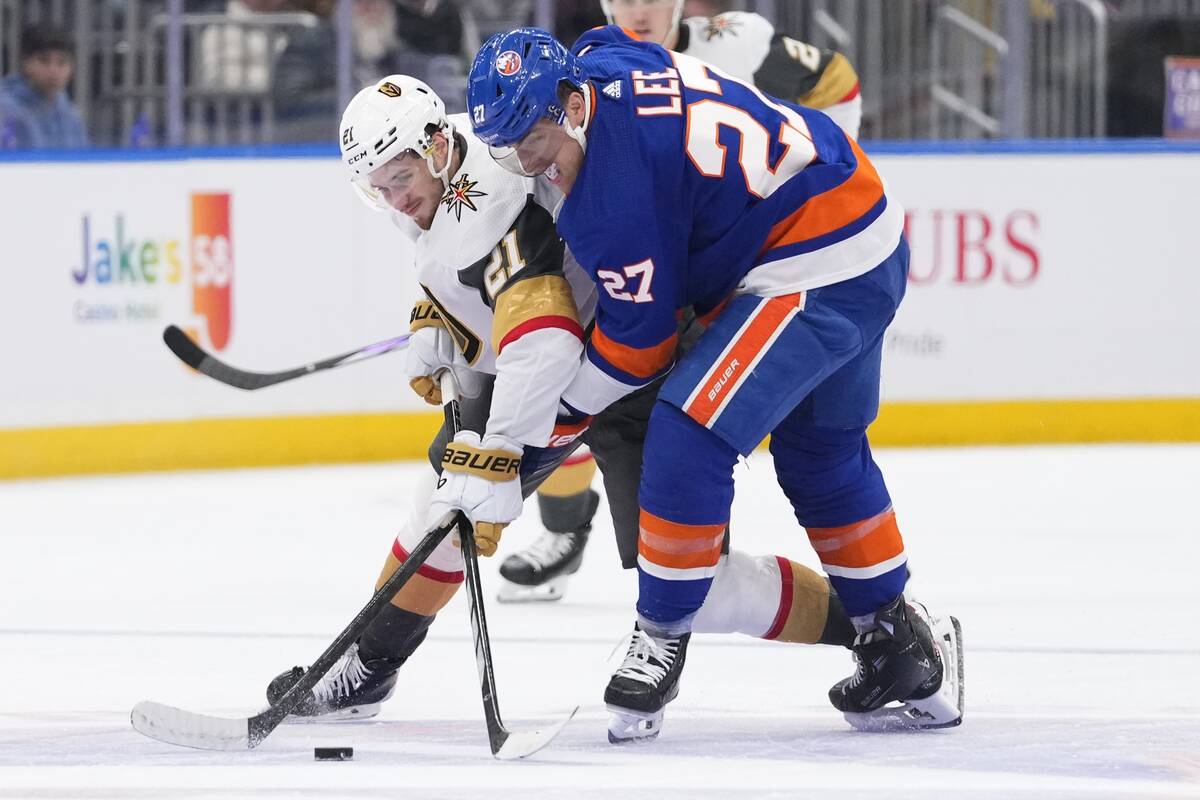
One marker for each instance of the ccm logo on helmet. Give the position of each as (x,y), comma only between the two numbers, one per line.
(508,62)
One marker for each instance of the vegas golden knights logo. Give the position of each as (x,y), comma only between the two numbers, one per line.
(389,89)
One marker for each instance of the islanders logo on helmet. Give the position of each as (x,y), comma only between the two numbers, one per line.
(508,62)
(514,82)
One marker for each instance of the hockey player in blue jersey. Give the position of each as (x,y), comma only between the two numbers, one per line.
(686,188)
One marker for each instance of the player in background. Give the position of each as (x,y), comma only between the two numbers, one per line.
(688,188)
(505,310)
(747,46)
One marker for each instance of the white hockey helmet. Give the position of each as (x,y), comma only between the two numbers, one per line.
(394,115)
(607,7)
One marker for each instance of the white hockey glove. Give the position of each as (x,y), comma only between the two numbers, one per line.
(430,350)
(483,479)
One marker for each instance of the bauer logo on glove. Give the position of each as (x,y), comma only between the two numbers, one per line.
(496,465)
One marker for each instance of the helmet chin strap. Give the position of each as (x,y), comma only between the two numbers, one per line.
(579,134)
(443,174)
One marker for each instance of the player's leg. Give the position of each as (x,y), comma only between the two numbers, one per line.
(366,676)
(707,415)
(686,493)
(567,504)
(825,466)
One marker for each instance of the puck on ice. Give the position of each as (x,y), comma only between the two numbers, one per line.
(333,753)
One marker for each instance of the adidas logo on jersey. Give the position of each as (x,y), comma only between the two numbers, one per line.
(613,90)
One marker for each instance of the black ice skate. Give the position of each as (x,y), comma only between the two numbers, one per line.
(540,572)
(909,673)
(646,681)
(351,689)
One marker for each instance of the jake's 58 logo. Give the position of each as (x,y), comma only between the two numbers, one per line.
(134,275)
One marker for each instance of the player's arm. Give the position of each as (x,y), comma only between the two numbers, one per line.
(536,333)
(813,77)
(635,335)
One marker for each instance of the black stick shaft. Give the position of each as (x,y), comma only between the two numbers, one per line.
(262,724)
(206,363)
(497,733)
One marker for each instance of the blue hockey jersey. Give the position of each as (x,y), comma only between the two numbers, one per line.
(696,187)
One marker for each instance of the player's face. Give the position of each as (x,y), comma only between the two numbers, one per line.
(546,149)
(406,185)
(649,19)
(48,72)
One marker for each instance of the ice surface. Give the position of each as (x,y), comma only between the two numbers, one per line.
(1071,568)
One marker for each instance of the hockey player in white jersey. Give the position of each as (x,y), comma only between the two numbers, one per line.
(747,47)
(506,310)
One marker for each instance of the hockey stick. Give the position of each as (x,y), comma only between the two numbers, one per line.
(195,357)
(189,729)
(505,744)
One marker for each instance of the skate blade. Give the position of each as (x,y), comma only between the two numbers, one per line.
(547,592)
(365,711)
(942,709)
(632,727)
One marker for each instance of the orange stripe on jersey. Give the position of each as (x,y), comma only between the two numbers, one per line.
(641,362)
(831,210)
(678,546)
(725,375)
(862,544)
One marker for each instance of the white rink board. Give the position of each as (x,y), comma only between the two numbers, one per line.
(1084,287)
(1090,294)
(315,273)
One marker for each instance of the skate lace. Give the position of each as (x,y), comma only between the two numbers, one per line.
(647,660)
(343,677)
(548,549)
(861,641)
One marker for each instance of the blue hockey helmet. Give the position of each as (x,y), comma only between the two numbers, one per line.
(514,83)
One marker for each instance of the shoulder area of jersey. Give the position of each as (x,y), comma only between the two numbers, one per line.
(480,203)
(730,26)
(480,183)
(602,36)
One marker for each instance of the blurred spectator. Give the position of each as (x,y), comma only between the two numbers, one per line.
(305,80)
(375,39)
(431,48)
(430,26)
(238,56)
(574,17)
(34,108)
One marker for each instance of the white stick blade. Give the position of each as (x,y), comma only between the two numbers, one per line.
(523,744)
(187,729)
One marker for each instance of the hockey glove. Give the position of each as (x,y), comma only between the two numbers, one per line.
(430,350)
(483,479)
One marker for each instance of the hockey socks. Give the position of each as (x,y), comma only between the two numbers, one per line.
(770,597)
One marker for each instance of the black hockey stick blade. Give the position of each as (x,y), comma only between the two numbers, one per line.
(189,729)
(505,744)
(192,354)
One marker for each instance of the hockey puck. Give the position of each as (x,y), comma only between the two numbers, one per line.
(333,753)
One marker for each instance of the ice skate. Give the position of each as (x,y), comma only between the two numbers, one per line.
(909,674)
(646,681)
(351,689)
(540,572)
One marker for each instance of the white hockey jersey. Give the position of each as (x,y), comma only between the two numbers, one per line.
(495,269)
(747,47)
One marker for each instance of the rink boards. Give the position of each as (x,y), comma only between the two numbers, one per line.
(1051,298)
